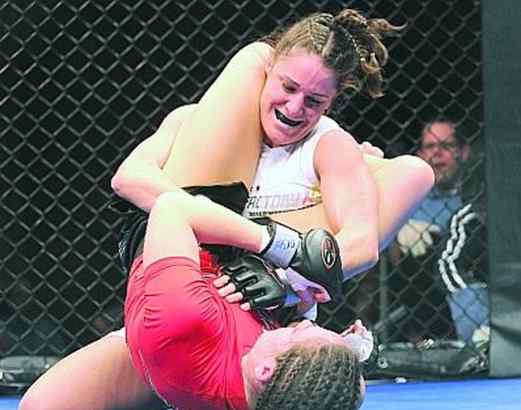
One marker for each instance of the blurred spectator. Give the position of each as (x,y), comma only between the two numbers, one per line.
(463,261)
(443,144)
(444,147)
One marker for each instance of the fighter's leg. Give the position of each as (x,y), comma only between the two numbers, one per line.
(221,142)
(402,182)
(165,296)
(98,376)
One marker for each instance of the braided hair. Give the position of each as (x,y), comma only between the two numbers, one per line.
(349,44)
(324,377)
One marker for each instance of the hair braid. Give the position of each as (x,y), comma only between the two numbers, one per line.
(326,377)
(319,26)
(348,43)
(371,53)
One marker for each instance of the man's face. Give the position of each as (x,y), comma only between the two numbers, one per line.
(440,149)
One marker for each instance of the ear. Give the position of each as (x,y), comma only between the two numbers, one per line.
(264,370)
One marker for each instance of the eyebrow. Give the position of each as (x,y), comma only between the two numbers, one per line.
(285,77)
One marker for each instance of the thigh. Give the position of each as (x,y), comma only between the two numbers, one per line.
(304,219)
(98,376)
(221,140)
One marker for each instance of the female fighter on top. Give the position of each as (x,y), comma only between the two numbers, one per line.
(270,101)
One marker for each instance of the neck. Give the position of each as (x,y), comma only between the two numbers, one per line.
(446,187)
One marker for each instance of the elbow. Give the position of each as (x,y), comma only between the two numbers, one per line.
(121,181)
(360,255)
(117,183)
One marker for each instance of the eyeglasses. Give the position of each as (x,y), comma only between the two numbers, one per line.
(444,145)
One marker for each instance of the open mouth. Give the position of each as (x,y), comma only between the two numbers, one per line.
(285,120)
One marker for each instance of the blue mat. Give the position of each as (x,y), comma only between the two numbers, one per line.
(9,403)
(483,394)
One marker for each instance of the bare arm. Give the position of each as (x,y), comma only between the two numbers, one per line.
(140,177)
(350,200)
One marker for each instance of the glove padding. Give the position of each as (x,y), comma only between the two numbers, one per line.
(314,256)
(416,237)
(257,282)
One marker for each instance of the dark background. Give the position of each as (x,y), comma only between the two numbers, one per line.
(82,82)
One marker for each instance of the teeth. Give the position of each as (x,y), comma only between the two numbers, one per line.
(282,118)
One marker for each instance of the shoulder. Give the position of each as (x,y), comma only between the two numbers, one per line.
(331,136)
(337,151)
(464,218)
(326,124)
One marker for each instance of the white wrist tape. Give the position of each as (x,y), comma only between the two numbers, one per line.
(282,247)
(311,313)
(298,283)
(362,346)
(291,298)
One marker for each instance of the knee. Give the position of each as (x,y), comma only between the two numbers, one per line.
(33,400)
(181,113)
(416,171)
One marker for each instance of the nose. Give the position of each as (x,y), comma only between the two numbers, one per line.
(294,105)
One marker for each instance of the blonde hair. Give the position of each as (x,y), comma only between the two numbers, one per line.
(325,377)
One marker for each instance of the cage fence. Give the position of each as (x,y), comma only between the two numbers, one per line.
(84,82)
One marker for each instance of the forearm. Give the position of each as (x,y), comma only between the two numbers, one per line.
(353,216)
(141,185)
(358,249)
(178,222)
(350,199)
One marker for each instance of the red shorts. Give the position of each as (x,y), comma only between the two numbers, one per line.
(159,307)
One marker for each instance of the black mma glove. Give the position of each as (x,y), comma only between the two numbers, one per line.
(314,256)
(257,282)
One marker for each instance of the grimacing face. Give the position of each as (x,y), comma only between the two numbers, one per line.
(299,88)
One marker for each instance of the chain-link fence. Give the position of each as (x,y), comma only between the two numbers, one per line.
(83,82)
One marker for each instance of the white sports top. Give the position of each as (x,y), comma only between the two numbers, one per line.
(285,179)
